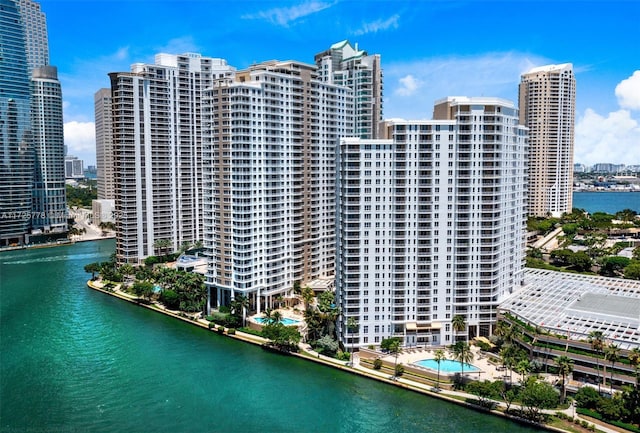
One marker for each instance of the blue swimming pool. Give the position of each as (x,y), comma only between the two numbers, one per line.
(446,366)
(285,321)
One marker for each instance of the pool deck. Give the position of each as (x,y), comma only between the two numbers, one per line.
(487,371)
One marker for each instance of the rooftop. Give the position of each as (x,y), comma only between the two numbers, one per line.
(576,305)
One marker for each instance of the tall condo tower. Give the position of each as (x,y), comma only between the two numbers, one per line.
(49,194)
(431,223)
(16,145)
(345,65)
(270,136)
(158,153)
(35,27)
(547,100)
(104,144)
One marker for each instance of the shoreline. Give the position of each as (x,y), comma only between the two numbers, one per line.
(307,353)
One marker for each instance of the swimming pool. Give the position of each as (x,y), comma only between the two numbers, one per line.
(446,366)
(285,321)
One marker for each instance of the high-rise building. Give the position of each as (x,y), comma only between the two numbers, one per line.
(16,146)
(35,27)
(270,136)
(104,144)
(157,150)
(344,65)
(547,100)
(31,128)
(431,223)
(73,167)
(49,194)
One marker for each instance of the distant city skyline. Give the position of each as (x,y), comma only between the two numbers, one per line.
(428,51)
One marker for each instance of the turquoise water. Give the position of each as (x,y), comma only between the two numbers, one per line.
(285,321)
(76,360)
(609,202)
(446,366)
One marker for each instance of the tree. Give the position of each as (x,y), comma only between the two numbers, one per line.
(565,367)
(634,361)
(92,268)
(238,307)
(170,299)
(458,323)
(352,326)
(394,346)
(285,338)
(587,398)
(143,289)
(162,245)
(613,266)
(327,345)
(307,297)
(612,354)
(439,356)
(523,367)
(462,353)
(632,271)
(581,261)
(535,396)
(484,390)
(596,340)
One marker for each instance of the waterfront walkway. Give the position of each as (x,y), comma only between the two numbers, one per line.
(307,352)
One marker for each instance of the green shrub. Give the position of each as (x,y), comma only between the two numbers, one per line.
(212,325)
(399,370)
(170,299)
(377,364)
(218,318)
(231,331)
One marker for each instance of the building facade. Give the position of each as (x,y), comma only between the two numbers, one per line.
(104,144)
(431,224)
(49,194)
(157,151)
(16,144)
(344,65)
(270,138)
(547,99)
(35,28)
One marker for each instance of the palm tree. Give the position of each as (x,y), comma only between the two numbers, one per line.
(395,347)
(439,356)
(462,353)
(565,367)
(523,367)
(268,315)
(612,354)
(352,325)
(458,323)
(241,303)
(596,339)
(634,360)
(162,245)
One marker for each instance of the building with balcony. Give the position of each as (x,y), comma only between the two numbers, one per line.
(104,144)
(157,152)
(270,136)
(431,223)
(49,195)
(345,65)
(547,100)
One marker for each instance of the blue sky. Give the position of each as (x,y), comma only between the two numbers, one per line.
(429,50)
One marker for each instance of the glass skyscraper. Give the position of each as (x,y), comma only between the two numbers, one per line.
(16,146)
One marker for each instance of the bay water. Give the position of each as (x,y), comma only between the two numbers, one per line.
(76,360)
(608,202)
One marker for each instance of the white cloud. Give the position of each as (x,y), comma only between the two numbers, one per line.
(182,45)
(378,25)
(628,92)
(80,139)
(284,16)
(411,88)
(612,139)
(408,85)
